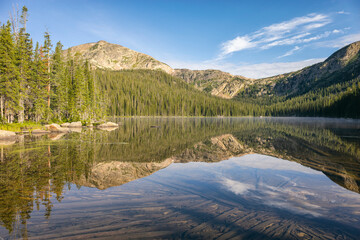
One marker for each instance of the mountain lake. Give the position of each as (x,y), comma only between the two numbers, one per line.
(185,178)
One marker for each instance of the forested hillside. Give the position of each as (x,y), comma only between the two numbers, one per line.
(156,93)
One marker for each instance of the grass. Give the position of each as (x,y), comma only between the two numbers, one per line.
(18,127)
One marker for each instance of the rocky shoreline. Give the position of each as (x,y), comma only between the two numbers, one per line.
(63,128)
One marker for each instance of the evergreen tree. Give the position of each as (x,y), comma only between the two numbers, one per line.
(23,58)
(38,83)
(9,87)
(46,50)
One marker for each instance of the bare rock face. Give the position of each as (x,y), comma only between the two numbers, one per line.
(6,134)
(75,125)
(216,82)
(65,125)
(56,128)
(106,55)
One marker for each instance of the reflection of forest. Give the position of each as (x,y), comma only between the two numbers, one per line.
(34,170)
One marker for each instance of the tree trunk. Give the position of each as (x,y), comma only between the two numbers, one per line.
(21,111)
(2,107)
(48,103)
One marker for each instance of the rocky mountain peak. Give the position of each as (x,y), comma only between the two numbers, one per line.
(115,57)
(346,53)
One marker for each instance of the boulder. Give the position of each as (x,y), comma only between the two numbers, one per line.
(108,125)
(56,128)
(6,134)
(75,125)
(65,124)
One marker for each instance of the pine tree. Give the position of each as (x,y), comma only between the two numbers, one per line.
(46,49)
(38,85)
(24,58)
(9,88)
(59,90)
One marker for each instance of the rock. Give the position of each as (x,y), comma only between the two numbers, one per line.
(39,131)
(75,125)
(56,128)
(65,124)
(108,125)
(6,134)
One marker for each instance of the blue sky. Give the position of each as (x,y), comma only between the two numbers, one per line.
(250,38)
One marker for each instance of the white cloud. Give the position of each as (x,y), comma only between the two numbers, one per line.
(263,70)
(316,25)
(291,52)
(260,70)
(237,44)
(288,26)
(341,41)
(284,33)
(343,12)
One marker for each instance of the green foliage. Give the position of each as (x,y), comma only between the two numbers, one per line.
(18,127)
(39,85)
(156,93)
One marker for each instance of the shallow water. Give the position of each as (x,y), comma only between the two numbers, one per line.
(172,178)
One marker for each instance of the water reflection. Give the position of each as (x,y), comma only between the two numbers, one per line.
(41,172)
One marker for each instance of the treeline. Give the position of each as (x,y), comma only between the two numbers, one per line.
(42,84)
(337,100)
(155,93)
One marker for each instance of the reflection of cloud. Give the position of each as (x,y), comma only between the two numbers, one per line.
(237,187)
(266,162)
(288,198)
(290,207)
(277,187)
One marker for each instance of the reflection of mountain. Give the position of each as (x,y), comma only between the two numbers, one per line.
(317,157)
(105,175)
(39,168)
(213,150)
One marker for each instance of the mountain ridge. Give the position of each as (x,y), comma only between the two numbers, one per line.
(116,57)
(343,65)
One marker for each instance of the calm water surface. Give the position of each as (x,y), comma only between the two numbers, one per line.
(177,178)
